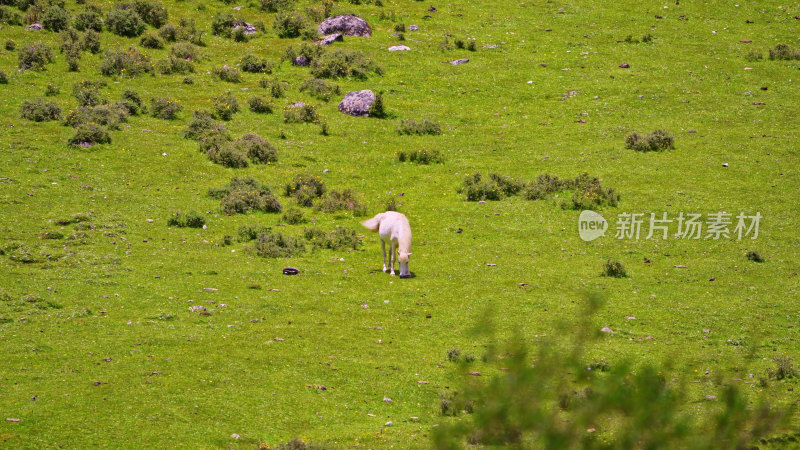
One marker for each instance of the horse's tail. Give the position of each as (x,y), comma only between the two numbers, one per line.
(373,224)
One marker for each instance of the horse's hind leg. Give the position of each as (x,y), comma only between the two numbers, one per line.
(383,248)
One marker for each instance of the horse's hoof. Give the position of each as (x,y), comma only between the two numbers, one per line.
(405,276)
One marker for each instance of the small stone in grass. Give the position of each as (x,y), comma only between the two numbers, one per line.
(625,66)
(606,330)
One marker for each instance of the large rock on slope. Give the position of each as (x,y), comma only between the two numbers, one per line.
(347,25)
(357,103)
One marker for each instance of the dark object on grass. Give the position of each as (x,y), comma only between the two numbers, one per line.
(357,103)
(290,271)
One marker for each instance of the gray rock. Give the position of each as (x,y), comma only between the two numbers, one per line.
(347,25)
(413,28)
(357,103)
(398,48)
(248,29)
(301,61)
(34,27)
(330,39)
(625,66)
(459,61)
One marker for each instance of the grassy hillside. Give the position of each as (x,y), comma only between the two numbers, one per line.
(100,347)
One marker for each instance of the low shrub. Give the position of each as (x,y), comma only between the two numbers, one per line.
(128,62)
(258,149)
(654,141)
(249,233)
(89,134)
(376,110)
(87,92)
(225,106)
(222,25)
(35,55)
(123,20)
(89,19)
(308,51)
(192,219)
(259,105)
(476,188)
(288,24)
(343,63)
(784,52)
(588,192)
(164,108)
(783,368)
(227,73)
(246,194)
(411,126)
(3,77)
(172,65)
(110,116)
(40,110)
(421,156)
(151,40)
(277,245)
(51,90)
(293,216)
(305,187)
(10,45)
(9,16)
(300,113)
(152,13)
(184,50)
(253,64)
(202,123)
(754,55)
(320,89)
(132,102)
(54,18)
(275,5)
(614,268)
(339,239)
(755,256)
(345,200)
(276,88)
(91,42)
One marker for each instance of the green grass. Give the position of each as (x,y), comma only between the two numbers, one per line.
(178,378)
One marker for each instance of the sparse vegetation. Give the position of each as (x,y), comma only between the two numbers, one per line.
(411,126)
(246,194)
(654,141)
(421,156)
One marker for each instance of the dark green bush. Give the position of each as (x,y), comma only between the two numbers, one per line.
(110,116)
(476,188)
(588,192)
(293,216)
(131,102)
(253,64)
(614,268)
(249,233)
(225,106)
(258,149)
(3,77)
(172,65)
(259,105)
(299,113)
(54,18)
(227,73)
(192,219)
(184,50)
(320,89)
(91,42)
(308,51)
(151,40)
(164,108)
(276,88)
(89,19)
(217,145)
(287,24)
(10,45)
(275,5)
(421,156)
(343,63)
(755,256)
(411,126)
(51,90)
(223,24)
(9,16)
(784,52)
(87,92)
(339,239)
(130,62)
(239,35)
(35,55)
(202,123)
(89,134)
(168,32)
(123,20)
(305,187)
(654,141)
(246,194)
(377,110)
(70,42)
(40,110)
(152,13)
(345,200)
(277,245)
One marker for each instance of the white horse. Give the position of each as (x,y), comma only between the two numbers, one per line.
(393,228)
